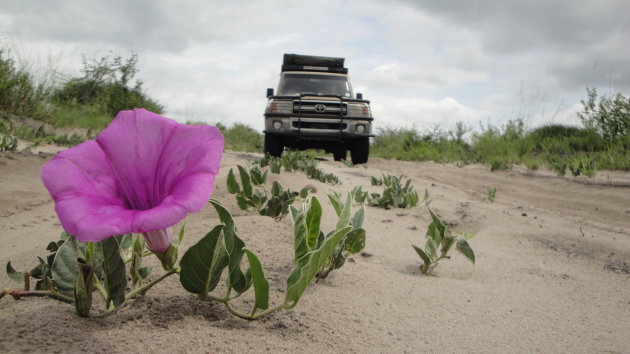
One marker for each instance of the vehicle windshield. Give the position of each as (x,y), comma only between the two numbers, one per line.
(294,84)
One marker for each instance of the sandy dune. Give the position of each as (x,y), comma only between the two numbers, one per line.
(552,272)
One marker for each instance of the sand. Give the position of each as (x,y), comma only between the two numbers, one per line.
(552,271)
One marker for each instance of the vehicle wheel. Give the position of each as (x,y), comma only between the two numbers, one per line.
(360,151)
(273,145)
(340,154)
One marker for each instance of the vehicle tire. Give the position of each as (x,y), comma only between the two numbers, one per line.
(273,145)
(360,151)
(340,153)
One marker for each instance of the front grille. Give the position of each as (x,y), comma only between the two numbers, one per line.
(319,125)
(325,108)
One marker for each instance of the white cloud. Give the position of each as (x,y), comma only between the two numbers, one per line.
(423,113)
(426,63)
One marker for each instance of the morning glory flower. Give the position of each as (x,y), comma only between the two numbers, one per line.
(143,174)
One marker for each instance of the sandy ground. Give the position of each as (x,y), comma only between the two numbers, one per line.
(552,272)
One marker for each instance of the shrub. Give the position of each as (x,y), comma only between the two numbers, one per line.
(610,116)
(19,93)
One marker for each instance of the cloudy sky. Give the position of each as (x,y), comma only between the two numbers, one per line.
(422,63)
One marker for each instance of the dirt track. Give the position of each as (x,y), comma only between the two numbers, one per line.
(552,272)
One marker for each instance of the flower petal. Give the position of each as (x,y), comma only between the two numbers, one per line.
(154,157)
(83,186)
(143,173)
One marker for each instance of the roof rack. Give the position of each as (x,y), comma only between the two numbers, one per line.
(298,62)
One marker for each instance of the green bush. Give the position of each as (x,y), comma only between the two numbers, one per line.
(557,146)
(19,92)
(610,116)
(106,84)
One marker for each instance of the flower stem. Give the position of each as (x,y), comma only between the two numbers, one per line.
(148,286)
(100,288)
(137,291)
(253,316)
(17,294)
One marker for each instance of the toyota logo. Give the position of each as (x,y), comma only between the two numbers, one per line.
(320,108)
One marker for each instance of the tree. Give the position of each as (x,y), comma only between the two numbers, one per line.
(610,117)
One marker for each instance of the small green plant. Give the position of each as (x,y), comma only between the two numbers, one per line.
(439,241)
(8,143)
(308,235)
(204,263)
(395,194)
(42,272)
(74,270)
(274,163)
(353,242)
(298,161)
(252,195)
(492,194)
(359,195)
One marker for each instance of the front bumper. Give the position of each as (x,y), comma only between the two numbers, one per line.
(309,126)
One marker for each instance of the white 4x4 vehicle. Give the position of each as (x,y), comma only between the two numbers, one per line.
(315,108)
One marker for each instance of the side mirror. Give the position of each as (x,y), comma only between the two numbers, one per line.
(269,92)
(359,96)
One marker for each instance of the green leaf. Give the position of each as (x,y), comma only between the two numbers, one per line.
(304,193)
(464,248)
(144,272)
(14,274)
(467,235)
(276,189)
(136,259)
(299,233)
(344,216)
(180,235)
(357,219)
(264,176)
(242,202)
(313,220)
(65,268)
(114,271)
(94,257)
(336,202)
(125,241)
(232,185)
(40,270)
(438,223)
(261,285)
(203,263)
(234,248)
(53,246)
(425,257)
(355,241)
(256,175)
(431,248)
(245,181)
(239,280)
(447,243)
(308,266)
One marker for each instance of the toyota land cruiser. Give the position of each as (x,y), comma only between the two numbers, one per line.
(315,108)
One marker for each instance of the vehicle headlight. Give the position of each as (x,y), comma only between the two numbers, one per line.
(360,128)
(279,106)
(359,110)
(277,124)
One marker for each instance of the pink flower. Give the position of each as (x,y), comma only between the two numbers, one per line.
(142,174)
